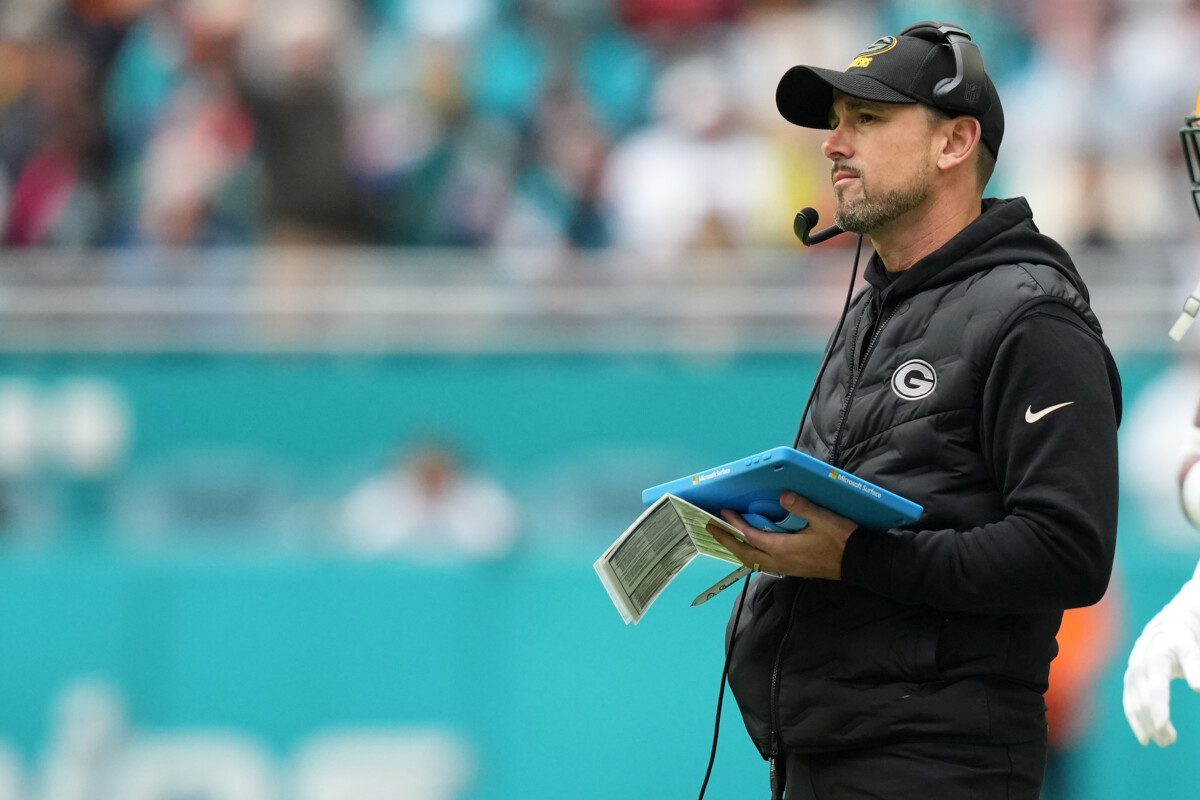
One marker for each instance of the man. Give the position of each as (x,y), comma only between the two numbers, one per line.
(1169,646)
(428,504)
(971,377)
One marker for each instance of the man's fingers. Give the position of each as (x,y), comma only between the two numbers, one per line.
(761,540)
(731,542)
(747,554)
(795,503)
(754,554)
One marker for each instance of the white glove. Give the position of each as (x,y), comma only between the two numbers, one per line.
(1168,648)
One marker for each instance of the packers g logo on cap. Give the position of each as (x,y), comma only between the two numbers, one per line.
(881,45)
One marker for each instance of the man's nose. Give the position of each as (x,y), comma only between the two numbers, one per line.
(836,145)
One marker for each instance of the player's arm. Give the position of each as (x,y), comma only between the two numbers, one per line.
(1056,472)
(1168,647)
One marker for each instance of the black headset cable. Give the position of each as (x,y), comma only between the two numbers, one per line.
(737,616)
(833,341)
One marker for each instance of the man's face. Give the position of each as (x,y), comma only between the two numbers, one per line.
(884,161)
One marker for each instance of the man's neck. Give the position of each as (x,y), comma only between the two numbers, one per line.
(908,239)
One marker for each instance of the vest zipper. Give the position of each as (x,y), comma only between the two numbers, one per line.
(778,779)
(855,375)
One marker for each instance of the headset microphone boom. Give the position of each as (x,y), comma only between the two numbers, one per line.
(805,221)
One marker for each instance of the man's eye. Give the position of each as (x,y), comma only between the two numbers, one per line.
(867,117)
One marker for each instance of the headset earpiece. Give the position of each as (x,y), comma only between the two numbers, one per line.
(965,90)
(963,93)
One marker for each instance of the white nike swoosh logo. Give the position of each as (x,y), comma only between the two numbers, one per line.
(1031,416)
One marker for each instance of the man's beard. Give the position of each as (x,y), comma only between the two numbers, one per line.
(868,213)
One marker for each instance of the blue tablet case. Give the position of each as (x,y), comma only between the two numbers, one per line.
(752,486)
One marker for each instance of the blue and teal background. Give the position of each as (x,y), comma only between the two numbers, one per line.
(285,637)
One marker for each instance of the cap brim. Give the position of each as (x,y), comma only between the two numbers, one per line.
(805,94)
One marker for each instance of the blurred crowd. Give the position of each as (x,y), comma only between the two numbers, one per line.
(552,125)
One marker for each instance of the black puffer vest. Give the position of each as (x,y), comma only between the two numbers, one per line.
(824,665)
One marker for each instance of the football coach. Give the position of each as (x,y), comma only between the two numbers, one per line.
(972,377)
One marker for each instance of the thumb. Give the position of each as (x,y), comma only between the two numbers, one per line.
(803,507)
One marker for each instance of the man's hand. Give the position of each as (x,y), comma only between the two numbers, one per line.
(814,552)
(1167,649)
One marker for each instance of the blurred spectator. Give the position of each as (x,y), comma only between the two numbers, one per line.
(427,504)
(696,178)
(294,82)
(674,15)
(556,204)
(771,36)
(408,99)
(58,150)
(183,134)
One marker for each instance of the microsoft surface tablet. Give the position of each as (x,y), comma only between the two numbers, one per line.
(752,486)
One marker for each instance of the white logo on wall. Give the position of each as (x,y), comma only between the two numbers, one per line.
(95,751)
(913,380)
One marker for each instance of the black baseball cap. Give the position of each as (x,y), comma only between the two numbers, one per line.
(905,68)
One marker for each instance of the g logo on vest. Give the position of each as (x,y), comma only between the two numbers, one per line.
(913,380)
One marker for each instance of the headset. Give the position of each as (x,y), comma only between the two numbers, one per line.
(962,94)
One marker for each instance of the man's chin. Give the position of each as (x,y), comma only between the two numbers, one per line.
(845,206)
(846,221)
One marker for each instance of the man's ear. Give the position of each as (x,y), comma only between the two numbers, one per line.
(962,137)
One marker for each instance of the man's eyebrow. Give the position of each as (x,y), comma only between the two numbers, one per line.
(855,104)
(858,104)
